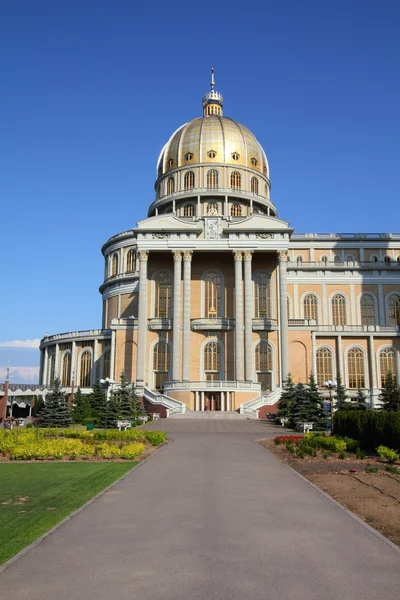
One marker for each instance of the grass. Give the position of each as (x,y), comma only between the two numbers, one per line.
(35,497)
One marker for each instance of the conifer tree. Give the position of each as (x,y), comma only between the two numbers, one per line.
(97,400)
(390,394)
(307,405)
(287,397)
(82,411)
(298,405)
(361,401)
(315,403)
(341,402)
(127,399)
(55,412)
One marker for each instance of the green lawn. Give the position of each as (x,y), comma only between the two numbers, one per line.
(34,497)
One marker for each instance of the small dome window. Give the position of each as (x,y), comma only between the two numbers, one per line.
(265,171)
(236,210)
(212,208)
(211,154)
(387,259)
(254,162)
(235,156)
(170,163)
(189,156)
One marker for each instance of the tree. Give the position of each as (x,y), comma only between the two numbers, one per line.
(341,401)
(307,405)
(97,400)
(298,405)
(390,394)
(361,401)
(287,397)
(55,412)
(82,411)
(127,399)
(315,403)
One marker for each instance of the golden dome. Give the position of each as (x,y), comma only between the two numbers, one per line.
(213,139)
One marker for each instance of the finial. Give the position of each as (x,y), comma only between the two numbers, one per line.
(212,78)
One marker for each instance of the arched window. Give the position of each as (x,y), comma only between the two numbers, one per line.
(161,363)
(299,260)
(236,180)
(106,363)
(324,259)
(86,367)
(189,180)
(387,364)
(170,185)
(212,208)
(262,296)
(212,361)
(350,259)
(374,258)
(324,366)
(66,370)
(131,260)
(339,310)
(394,310)
(236,210)
(337,259)
(311,307)
(188,210)
(163,287)
(387,259)
(263,364)
(212,300)
(355,364)
(254,185)
(114,264)
(212,178)
(367,310)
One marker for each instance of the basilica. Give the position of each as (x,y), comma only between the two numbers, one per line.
(213,299)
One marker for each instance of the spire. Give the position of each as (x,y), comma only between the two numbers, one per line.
(212,101)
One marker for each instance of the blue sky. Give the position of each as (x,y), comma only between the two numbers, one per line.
(92,90)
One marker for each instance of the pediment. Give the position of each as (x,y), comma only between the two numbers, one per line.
(168,222)
(259,223)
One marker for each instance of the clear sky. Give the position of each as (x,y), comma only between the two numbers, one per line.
(92,89)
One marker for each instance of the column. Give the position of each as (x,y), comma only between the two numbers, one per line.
(222,402)
(142,319)
(372,366)
(46,366)
(248,315)
(96,369)
(73,362)
(187,264)
(381,303)
(340,359)
(283,325)
(196,405)
(202,402)
(227,400)
(57,361)
(176,323)
(112,353)
(314,354)
(237,255)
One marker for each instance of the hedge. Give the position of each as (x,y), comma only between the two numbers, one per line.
(370,428)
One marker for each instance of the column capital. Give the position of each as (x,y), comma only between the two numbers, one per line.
(237,255)
(247,255)
(177,254)
(282,254)
(143,255)
(187,255)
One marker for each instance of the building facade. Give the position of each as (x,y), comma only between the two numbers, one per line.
(213,299)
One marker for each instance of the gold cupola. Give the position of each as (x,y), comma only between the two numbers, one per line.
(213,101)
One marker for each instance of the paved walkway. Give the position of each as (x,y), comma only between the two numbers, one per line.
(211,516)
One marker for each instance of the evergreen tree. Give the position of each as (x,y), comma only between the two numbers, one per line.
(97,400)
(390,394)
(360,402)
(298,406)
(341,402)
(82,410)
(316,403)
(287,397)
(55,412)
(127,399)
(307,405)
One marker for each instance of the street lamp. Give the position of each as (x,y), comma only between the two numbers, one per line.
(330,385)
(107,384)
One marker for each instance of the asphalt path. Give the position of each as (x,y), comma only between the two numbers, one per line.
(212,515)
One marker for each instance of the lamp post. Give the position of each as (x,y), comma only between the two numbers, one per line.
(107,384)
(330,385)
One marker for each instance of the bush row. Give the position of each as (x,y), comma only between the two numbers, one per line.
(370,428)
(155,438)
(67,448)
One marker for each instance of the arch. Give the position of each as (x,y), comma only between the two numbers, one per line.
(374,259)
(85,368)
(131,260)
(350,259)
(161,362)
(299,260)
(189,180)
(170,185)
(387,364)
(299,361)
(262,295)
(212,178)
(393,309)
(387,259)
(66,369)
(337,258)
(212,208)
(114,264)
(324,359)
(107,363)
(162,294)
(188,210)
(254,185)
(236,210)
(236,180)
(324,259)
(263,363)
(212,361)
(311,307)
(367,307)
(213,295)
(355,360)
(339,309)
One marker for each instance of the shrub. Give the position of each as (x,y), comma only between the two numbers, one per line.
(154,437)
(360,454)
(106,450)
(325,454)
(392,469)
(387,454)
(277,441)
(29,425)
(130,451)
(370,428)
(370,469)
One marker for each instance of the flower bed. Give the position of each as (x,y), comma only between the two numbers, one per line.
(65,444)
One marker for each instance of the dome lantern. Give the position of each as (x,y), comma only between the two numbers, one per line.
(213,101)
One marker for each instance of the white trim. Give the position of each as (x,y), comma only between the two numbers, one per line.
(387,298)
(346,367)
(378,363)
(222,376)
(333,354)
(202,292)
(78,379)
(290,306)
(63,353)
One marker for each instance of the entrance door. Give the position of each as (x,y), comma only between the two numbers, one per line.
(212,401)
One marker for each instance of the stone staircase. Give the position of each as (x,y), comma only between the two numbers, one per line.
(211,415)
